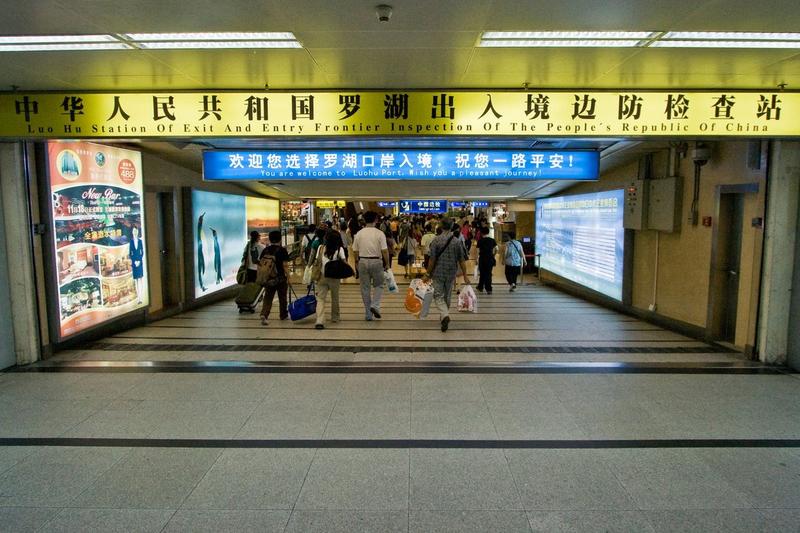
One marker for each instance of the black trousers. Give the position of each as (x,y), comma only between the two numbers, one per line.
(485,267)
(511,274)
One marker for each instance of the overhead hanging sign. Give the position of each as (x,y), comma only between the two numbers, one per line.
(400,164)
(330,204)
(387,204)
(480,203)
(578,113)
(423,206)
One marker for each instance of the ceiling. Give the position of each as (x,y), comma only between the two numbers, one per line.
(424,45)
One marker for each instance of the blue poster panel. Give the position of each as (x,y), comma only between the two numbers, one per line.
(423,206)
(582,238)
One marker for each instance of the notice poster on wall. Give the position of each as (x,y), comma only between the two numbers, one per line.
(222,224)
(582,238)
(96,207)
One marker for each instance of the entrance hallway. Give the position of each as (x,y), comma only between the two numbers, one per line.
(704,442)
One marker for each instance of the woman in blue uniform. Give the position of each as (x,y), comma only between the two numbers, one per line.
(136,251)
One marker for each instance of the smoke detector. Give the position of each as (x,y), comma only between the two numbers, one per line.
(383,12)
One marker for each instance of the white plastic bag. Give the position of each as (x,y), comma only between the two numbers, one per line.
(389,282)
(307,275)
(467,300)
(423,293)
(476,275)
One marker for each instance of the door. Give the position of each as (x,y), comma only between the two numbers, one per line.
(726,267)
(167,252)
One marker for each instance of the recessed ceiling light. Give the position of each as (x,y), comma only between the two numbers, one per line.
(731,36)
(213,36)
(549,43)
(725,44)
(23,39)
(567,34)
(163,45)
(56,47)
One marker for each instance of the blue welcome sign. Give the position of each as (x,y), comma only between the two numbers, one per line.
(222,165)
(423,206)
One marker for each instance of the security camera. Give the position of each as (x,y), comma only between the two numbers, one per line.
(701,154)
(383,12)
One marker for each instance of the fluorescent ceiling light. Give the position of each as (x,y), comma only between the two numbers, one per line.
(566,43)
(62,47)
(725,44)
(567,34)
(211,36)
(166,45)
(24,39)
(731,36)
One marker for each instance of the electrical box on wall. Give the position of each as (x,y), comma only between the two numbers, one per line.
(664,205)
(635,205)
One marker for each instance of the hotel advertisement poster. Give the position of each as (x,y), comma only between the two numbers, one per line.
(99,234)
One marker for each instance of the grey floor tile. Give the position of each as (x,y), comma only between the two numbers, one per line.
(357,480)
(517,388)
(288,419)
(25,519)
(782,520)
(462,480)
(620,417)
(109,520)
(348,522)
(201,387)
(316,388)
(41,386)
(376,387)
(566,480)
(120,419)
(533,420)
(149,478)
(446,388)
(252,479)
(451,420)
(769,477)
(44,418)
(588,521)
(197,419)
(55,475)
(708,520)
(370,419)
(468,522)
(11,455)
(193,521)
(660,479)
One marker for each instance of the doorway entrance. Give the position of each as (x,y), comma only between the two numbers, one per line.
(726,257)
(167,250)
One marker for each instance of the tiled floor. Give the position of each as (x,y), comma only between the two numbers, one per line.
(371,462)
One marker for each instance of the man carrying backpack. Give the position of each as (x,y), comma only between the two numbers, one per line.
(514,260)
(273,268)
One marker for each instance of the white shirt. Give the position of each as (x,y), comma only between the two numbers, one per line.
(370,242)
(338,255)
(250,264)
(426,242)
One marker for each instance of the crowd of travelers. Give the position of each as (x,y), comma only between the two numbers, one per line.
(437,246)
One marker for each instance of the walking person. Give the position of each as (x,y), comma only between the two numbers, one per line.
(487,248)
(447,257)
(514,259)
(278,281)
(331,250)
(252,253)
(372,258)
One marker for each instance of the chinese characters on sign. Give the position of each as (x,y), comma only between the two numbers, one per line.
(415,113)
(400,164)
(423,206)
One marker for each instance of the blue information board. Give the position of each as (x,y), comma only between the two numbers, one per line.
(457,205)
(222,165)
(423,206)
(480,203)
(387,204)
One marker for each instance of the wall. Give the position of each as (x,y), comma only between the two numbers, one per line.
(684,257)
(7,355)
(794,314)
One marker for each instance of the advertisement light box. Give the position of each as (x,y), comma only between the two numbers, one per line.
(581,238)
(99,233)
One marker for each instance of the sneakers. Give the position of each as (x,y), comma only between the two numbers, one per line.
(511,288)
(319,326)
(264,321)
(445,323)
(375,312)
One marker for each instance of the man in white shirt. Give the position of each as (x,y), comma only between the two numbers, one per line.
(372,258)
(425,243)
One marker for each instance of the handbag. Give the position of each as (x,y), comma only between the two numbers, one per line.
(303,307)
(402,258)
(241,275)
(338,269)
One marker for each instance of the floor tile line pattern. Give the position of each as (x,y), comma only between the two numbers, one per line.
(388,367)
(400,444)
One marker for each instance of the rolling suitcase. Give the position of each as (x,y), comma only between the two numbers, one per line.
(249,297)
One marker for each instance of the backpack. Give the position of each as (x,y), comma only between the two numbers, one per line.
(267,275)
(313,243)
(512,245)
